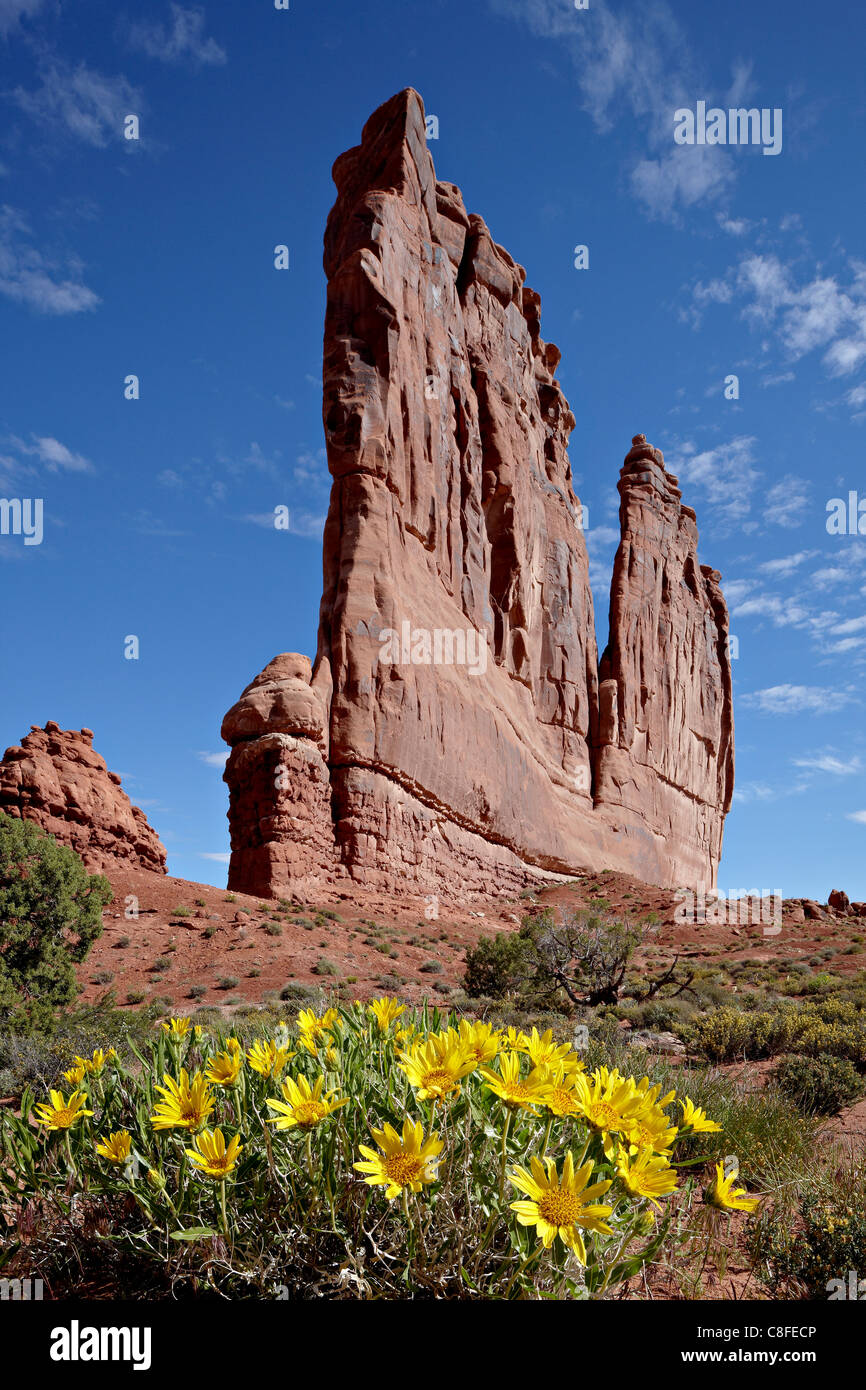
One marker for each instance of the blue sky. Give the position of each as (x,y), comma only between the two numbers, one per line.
(155,257)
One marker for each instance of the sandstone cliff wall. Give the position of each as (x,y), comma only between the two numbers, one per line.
(453,513)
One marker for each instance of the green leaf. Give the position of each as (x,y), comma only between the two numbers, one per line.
(194,1233)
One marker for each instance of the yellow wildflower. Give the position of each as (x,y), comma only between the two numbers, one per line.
(116,1148)
(303,1105)
(435,1069)
(186,1104)
(267,1058)
(177,1028)
(725,1197)
(211,1156)
(648,1175)
(695,1118)
(385,1011)
(225,1068)
(480,1041)
(563,1207)
(62,1113)
(561,1099)
(406,1163)
(514,1089)
(544,1051)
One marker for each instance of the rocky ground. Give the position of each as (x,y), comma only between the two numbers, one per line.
(193,937)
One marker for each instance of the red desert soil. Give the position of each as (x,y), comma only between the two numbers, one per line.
(384,943)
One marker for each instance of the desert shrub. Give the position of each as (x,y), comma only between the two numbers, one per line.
(297,991)
(808,1246)
(830,1026)
(50,915)
(662,1015)
(819,1085)
(227,982)
(197,991)
(43,1056)
(578,957)
(324,967)
(497,966)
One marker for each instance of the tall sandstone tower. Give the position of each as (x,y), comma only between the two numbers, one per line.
(452,512)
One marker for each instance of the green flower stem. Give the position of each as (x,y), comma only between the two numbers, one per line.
(504,1155)
(547,1135)
(521,1269)
(225,1223)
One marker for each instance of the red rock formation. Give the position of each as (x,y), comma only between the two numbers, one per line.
(56,780)
(282,837)
(666,739)
(454,532)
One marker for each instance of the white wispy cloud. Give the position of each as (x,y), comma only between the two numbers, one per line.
(214,759)
(637,62)
(56,456)
(858,816)
(736,590)
(828,762)
(13,11)
(46,450)
(217,858)
(848,569)
(844,629)
(783,611)
(181,41)
(787,502)
(725,474)
(83,102)
(755,791)
(820,314)
(797,699)
(786,564)
(734,226)
(44,282)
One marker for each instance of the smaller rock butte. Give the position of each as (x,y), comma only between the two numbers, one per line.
(55,779)
(452,510)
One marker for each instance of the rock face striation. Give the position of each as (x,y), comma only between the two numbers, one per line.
(55,779)
(457,732)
